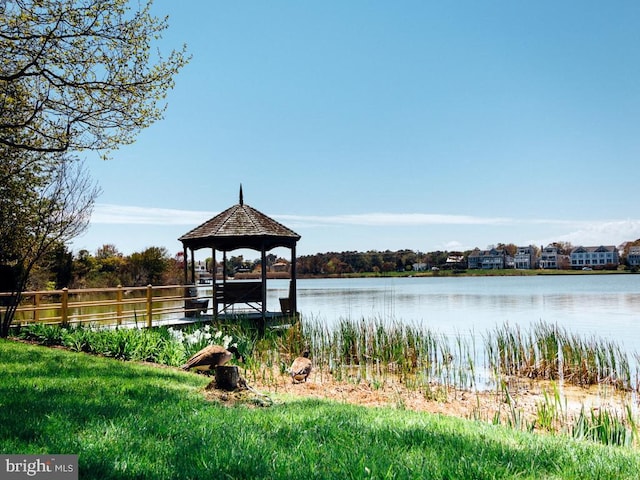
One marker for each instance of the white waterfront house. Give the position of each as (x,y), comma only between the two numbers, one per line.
(549,257)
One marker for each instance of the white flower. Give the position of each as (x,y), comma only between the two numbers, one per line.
(218,334)
(177,335)
(207,328)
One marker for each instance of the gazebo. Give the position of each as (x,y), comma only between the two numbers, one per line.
(242,226)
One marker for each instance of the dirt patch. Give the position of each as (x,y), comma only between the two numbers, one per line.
(243,395)
(517,401)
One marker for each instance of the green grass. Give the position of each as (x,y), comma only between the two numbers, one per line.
(128,420)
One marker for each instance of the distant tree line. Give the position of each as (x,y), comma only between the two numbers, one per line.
(373,261)
(106,267)
(338,263)
(352,262)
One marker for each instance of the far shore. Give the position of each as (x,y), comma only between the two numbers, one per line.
(509,272)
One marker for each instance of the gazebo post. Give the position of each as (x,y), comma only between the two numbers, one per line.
(185,259)
(214,284)
(224,279)
(263,257)
(193,267)
(214,267)
(293,290)
(224,266)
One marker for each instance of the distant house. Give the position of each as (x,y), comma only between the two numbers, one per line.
(633,257)
(280,266)
(549,258)
(595,257)
(419,267)
(489,259)
(202,275)
(473,260)
(526,258)
(455,261)
(200,267)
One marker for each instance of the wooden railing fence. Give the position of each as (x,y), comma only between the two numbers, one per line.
(106,306)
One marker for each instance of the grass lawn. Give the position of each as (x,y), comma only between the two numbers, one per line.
(128,420)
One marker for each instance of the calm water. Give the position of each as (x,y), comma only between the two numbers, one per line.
(604,305)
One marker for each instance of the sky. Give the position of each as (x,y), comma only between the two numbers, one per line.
(379,125)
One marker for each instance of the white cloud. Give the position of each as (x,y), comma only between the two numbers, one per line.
(125,215)
(603,233)
(453,246)
(392,219)
(600,232)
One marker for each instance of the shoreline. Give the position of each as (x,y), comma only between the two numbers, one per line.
(509,272)
(522,398)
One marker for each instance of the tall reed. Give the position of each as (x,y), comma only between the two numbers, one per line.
(377,350)
(604,426)
(549,352)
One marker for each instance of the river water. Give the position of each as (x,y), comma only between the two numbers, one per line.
(607,306)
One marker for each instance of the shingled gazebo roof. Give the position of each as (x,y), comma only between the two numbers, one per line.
(240,226)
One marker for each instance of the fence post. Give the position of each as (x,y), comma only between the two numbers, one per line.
(149,305)
(119,305)
(36,307)
(64,307)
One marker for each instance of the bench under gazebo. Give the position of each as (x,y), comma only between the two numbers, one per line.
(242,227)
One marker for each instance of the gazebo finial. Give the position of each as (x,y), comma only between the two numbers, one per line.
(241,199)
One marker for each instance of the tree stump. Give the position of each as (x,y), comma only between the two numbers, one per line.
(227,377)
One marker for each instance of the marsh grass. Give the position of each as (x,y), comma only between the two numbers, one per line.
(605,426)
(551,411)
(549,352)
(375,351)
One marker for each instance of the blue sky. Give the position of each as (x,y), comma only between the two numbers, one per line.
(375,125)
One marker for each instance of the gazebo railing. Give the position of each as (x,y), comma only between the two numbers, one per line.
(228,294)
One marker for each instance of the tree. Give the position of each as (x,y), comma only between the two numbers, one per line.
(149,266)
(110,263)
(59,262)
(78,74)
(84,266)
(47,204)
(510,248)
(74,75)
(174,272)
